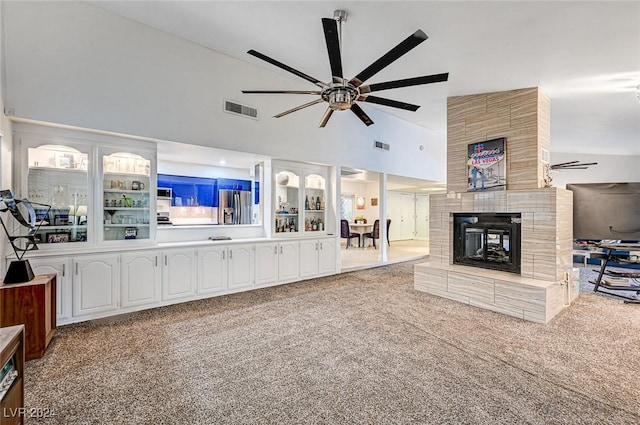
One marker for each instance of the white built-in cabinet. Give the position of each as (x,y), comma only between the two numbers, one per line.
(317,257)
(277,262)
(99,188)
(141,278)
(61,267)
(241,262)
(96,280)
(179,273)
(212,269)
(105,284)
(300,195)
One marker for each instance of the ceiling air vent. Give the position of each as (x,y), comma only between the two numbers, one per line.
(239,109)
(380,145)
(345,171)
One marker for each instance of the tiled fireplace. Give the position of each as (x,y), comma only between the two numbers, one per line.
(509,251)
(487,240)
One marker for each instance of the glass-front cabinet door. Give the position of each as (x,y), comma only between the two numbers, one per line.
(287,200)
(314,198)
(126,201)
(57,185)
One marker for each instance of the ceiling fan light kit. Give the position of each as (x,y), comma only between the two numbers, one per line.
(342,94)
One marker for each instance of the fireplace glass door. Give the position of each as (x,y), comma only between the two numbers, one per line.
(483,242)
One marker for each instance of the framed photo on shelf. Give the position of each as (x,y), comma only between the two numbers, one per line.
(64,160)
(59,237)
(61,219)
(130,232)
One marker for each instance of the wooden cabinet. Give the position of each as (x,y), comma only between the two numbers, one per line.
(96,281)
(317,257)
(61,267)
(141,278)
(240,266)
(212,269)
(12,355)
(179,273)
(34,305)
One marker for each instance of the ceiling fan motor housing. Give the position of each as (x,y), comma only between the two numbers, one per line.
(340,96)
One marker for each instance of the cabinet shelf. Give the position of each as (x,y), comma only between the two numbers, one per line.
(111,209)
(124,173)
(144,192)
(63,227)
(106,226)
(314,211)
(58,169)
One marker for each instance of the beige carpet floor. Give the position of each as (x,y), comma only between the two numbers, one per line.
(357,348)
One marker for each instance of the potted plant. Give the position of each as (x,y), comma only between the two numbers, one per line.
(361,220)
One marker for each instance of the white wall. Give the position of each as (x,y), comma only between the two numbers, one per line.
(610,169)
(75,64)
(368,190)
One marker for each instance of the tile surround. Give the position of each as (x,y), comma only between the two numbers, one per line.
(546,283)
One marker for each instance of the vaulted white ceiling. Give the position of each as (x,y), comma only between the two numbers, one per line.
(584,55)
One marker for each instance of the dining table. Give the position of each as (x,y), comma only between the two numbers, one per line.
(361,229)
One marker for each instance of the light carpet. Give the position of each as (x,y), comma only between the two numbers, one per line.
(356,348)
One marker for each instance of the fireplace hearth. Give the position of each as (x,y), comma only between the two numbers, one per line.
(487,240)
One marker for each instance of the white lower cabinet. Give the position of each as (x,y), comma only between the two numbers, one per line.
(277,262)
(240,266)
(317,257)
(266,263)
(62,269)
(96,280)
(99,285)
(212,269)
(141,278)
(288,261)
(327,256)
(179,273)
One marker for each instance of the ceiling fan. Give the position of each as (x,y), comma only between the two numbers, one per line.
(341,94)
(572,165)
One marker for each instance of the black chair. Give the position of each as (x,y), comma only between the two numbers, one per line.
(375,233)
(345,232)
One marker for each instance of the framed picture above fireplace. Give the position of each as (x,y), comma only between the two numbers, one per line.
(486,165)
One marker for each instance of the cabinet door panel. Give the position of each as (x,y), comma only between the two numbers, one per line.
(308,258)
(141,279)
(327,256)
(212,269)
(240,266)
(95,285)
(178,274)
(289,261)
(62,269)
(266,263)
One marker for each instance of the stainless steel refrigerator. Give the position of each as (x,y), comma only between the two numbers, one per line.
(234,207)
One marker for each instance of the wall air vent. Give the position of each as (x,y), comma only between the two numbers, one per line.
(380,145)
(239,109)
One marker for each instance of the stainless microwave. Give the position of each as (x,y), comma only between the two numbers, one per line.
(164,192)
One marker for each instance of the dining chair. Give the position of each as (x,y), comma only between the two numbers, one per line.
(346,233)
(375,233)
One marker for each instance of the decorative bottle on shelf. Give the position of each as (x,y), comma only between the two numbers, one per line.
(306,202)
(318,203)
(313,204)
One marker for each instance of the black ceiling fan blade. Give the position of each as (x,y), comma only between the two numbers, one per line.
(389,102)
(562,164)
(333,46)
(573,165)
(286,67)
(297,108)
(281,91)
(325,117)
(407,82)
(409,43)
(361,114)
